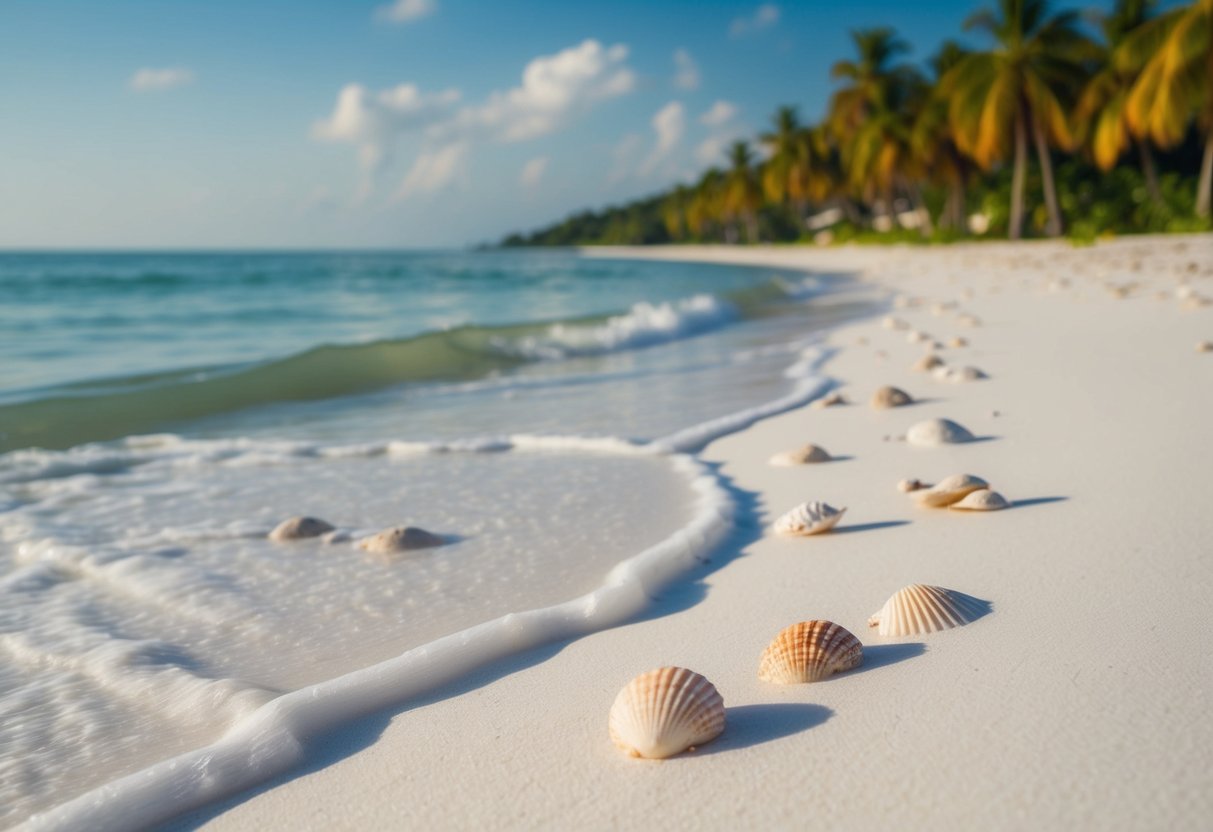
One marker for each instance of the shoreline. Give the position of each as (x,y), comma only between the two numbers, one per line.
(958,693)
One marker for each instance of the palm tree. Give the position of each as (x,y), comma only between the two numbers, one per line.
(1175,54)
(1022,87)
(868,78)
(674,212)
(742,195)
(704,207)
(933,144)
(1101,113)
(788,172)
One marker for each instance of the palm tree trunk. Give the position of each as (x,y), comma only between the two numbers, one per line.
(1017,177)
(1205,184)
(1046,175)
(1147,167)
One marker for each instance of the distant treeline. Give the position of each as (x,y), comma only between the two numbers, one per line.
(1107,135)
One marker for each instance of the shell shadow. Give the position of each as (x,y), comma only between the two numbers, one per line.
(881,655)
(1036,501)
(750,725)
(868,527)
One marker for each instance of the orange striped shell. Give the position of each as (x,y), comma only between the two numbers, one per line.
(809,652)
(664,712)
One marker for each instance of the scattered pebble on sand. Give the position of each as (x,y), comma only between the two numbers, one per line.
(299,528)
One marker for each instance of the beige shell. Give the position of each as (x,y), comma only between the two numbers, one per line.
(400,539)
(1204,346)
(805,455)
(927,363)
(1197,302)
(889,322)
(958,375)
(969,320)
(919,608)
(917,337)
(982,500)
(299,528)
(887,397)
(935,432)
(813,517)
(834,397)
(809,652)
(950,490)
(906,486)
(957,342)
(665,712)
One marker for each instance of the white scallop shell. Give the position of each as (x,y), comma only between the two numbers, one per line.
(808,652)
(664,712)
(958,375)
(950,490)
(813,517)
(934,432)
(801,456)
(928,362)
(886,397)
(299,528)
(400,539)
(919,608)
(982,500)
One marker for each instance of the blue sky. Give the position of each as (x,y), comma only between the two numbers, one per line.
(388,124)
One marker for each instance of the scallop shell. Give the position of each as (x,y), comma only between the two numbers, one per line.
(830,399)
(982,500)
(801,456)
(664,712)
(925,609)
(809,652)
(887,397)
(934,432)
(400,539)
(299,528)
(906,486)
(950,490)
(813,517)
(927,363)
(958,375)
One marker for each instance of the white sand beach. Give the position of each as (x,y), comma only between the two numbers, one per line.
(1083,700)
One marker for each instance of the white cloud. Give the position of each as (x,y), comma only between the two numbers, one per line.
(719,114)
(553,91)
(686,76)
(554,87)
(763,17)
(152,80)
(434,170)
(669,124)
(533,171)
(406,11)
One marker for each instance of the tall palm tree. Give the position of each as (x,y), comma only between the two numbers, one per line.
(787,174)
(742,195)
(933,144)
(867,79)
(1100,117)
(1175,54)
(1022,87)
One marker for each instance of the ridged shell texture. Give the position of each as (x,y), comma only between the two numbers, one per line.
(919,608)
(664,712)
(809,652)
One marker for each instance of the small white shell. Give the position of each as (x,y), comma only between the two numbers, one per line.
(927,363)
(299,528)
(813,517)
(834,397)
(801,456)
(919,608)
(950,490)
(935,432)
(906,486)
(982,500)
(808,652)
(886,397)
(665,712)
(958,375)
(400,539)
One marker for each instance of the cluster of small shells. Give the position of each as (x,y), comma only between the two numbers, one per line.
(964,492)
(389,541)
